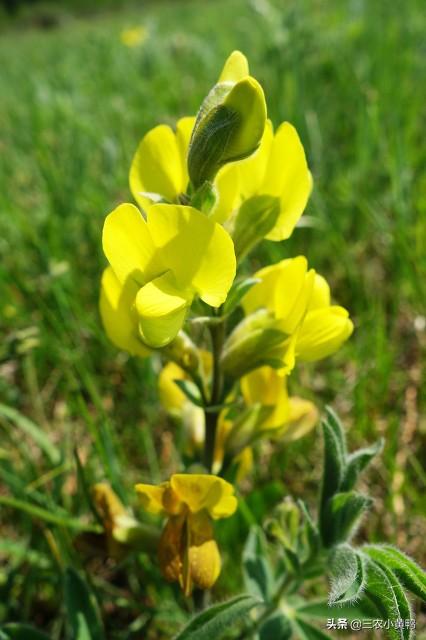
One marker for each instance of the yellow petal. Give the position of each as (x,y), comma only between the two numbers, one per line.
(199,252)
(288,176)
(252,170)
(128,246)
(202,491)
(265,386)
(203,557)
(235,68)
(184,129)
(118,314)
(262,294)
(320,296)
(152,496)
(227,193)
(161,309)
(302,419)
(293,292)
(156,166)
(246,99)
(171,397)
(323,332)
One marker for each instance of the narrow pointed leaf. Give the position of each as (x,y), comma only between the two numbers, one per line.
(357,462)
(407,571)
(17,631)
(383,588)
(83,615)
(257,571)
(343,515)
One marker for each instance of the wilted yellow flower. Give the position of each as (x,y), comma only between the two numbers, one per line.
(188,552)
(158,266)
(134,36)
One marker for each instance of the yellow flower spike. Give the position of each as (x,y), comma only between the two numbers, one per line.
(176,254)
(134,36)
(188,553)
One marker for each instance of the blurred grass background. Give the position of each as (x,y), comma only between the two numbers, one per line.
(74,103)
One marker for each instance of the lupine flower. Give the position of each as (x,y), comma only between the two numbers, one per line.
(158,266)
(289,316)
(188,552)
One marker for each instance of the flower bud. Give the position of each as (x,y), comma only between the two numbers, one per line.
(229,127)
(253,343)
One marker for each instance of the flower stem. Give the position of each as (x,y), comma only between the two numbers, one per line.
(217,333)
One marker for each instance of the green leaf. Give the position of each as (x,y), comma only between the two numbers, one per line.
(47,516)
(277,627)
(190,390)
(383,588)
(334,463)
(237,293)
(313,535)
(17,631)
(307,631)
(407,571)
(212,623)
(342,516)
(357,462)
(338,430)
(32,430)
(346,576)
(83,615)
(257,571)
(321,610)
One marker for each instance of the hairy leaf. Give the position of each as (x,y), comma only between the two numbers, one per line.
(407,571)
(212,623)
(383,588)
(346,576)
(343,514)
(357,462)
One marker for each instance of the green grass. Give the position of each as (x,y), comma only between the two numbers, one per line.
(74,104)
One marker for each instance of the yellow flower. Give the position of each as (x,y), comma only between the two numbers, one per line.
(134,36)
(278,169)
(158,267)
(299,301)
(188,552)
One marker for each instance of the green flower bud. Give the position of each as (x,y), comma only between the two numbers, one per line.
(254,342)
(229,127)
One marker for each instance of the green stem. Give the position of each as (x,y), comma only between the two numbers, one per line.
(217,333)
